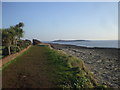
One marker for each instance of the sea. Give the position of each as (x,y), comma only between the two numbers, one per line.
(92,43)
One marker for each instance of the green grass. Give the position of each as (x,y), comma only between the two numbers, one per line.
(13,61)
(70,71)
(33,65)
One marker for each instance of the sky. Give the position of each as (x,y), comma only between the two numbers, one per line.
(63,20)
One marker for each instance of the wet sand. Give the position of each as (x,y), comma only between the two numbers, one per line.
(102,62)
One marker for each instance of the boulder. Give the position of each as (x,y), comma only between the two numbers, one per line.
(36,42)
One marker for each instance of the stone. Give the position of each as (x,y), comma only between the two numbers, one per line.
(36,42)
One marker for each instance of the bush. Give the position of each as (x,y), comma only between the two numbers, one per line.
(24,43)
(21,44)
(5,51)
(14,49)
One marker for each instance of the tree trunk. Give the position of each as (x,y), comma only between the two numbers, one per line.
(19,48)
(9,52)
(17,45)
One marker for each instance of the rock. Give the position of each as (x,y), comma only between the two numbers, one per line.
(90,53)
(89,62)
(36,42)
(99,61)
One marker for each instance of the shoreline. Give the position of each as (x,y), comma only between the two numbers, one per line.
(102,62)
(85,46)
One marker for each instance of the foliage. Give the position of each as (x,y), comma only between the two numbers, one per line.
(11,39)
(24,43)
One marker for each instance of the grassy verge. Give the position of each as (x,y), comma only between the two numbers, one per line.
(70,71)
(12,61)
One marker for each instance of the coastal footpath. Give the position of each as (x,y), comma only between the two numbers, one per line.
(43,67)
(102,62)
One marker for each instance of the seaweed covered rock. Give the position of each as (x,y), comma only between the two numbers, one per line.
(36,42)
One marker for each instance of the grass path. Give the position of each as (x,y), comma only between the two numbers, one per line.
(42,67)
(30,70)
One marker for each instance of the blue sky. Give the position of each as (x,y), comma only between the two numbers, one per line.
(63,20)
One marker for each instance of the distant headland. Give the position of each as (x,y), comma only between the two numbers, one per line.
(69,40)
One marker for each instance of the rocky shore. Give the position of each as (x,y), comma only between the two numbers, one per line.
(102,62)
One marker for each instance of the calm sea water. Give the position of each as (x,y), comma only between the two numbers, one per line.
(94,43)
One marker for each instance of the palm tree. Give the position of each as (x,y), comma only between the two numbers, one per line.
(21,24)
(12,35)
(7,38)
(19,32)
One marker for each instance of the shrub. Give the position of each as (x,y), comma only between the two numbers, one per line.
(21,44)
(5,51)
(24,43)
